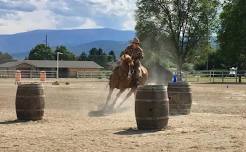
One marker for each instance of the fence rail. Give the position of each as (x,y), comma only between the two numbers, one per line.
(26,74)
(206,76)
(94,74)
(216,76)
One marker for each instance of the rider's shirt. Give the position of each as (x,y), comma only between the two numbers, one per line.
(136,54)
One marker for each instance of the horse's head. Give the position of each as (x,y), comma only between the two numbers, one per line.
(127,59)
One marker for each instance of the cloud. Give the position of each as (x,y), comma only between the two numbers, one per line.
(27,21)
(26,15)
(9,9)
(129,24)
(17,5)
(5,13)
(21,21)
(91,7)
(117,14)
(88,23)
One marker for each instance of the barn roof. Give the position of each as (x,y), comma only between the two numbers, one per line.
(52,64)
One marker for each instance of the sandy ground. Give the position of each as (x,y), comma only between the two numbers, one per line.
(217,122)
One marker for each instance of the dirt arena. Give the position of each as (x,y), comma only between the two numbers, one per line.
(217,122)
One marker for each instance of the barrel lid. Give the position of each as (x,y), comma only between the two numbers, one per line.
(152,87)
(179,83)
(34,84)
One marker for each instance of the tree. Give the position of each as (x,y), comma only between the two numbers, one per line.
(231,35)
(93,54)
(41,52)
(216,61)
(111,56)
(83,57)
(103,59)
(66,54)
(99,56)
(5,57)
(204,59)
(175,28)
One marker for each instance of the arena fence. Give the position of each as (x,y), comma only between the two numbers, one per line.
(28,74)
(94,74)
(205,76)
(216,76)
(32,74)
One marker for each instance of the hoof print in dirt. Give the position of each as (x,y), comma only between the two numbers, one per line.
(56,83)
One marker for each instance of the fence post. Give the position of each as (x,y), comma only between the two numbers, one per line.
(213,76)
(236,77)
(42,76)
(17,76)
(222,76)
(31,74)
(210,75)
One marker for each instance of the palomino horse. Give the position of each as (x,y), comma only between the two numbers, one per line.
(121,79)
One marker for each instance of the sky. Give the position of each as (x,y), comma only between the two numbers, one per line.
(26,15)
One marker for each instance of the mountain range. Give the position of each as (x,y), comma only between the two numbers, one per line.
(77,40)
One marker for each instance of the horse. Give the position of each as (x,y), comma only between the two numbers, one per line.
(121,78)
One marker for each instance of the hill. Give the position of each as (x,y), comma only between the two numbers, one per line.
(77,40)
(106,45)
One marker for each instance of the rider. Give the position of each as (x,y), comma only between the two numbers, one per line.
(136,54)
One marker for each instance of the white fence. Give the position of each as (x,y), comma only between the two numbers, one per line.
(52,74)
(94,74)
(26,74)
(205,76)
(216,76)
(213,76)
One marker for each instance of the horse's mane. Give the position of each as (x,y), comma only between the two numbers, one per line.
(126,58)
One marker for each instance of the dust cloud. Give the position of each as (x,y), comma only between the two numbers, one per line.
(159,58)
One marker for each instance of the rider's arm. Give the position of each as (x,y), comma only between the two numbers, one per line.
(140,54)
(126,51)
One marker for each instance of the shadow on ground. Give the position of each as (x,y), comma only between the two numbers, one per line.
(135,131)
(12,122)
(97,113)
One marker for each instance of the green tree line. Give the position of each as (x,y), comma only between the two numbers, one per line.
(179,33)
(175,29)
(43,52)
(5,57)
(231,37)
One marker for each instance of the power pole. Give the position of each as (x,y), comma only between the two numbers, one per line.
(57,64)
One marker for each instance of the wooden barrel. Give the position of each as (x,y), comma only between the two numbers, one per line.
(29,102)
(151,107)
(180,98)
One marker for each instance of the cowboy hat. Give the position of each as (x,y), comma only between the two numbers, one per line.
(135,40)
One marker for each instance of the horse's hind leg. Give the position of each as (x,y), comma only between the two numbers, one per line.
(116,98)
(127,96)
(108,98)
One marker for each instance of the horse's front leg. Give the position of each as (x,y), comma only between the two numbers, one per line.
(133,90)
